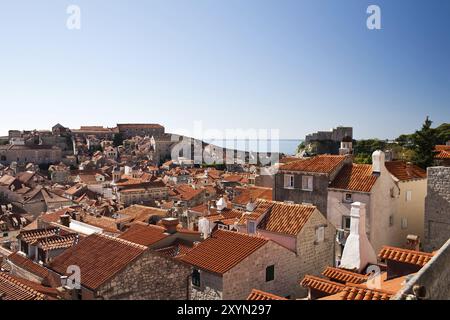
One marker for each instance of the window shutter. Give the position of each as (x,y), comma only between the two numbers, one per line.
(310,183)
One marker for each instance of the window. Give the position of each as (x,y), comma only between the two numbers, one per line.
(346,221)
(408,195)
(404,223)
(196,278)
(307,183)
(5,234)
(270,273)
(289,181)
(320,234)
(348,197)
(251,225)
(391,221)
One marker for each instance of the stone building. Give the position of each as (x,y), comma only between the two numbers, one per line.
(336,135)
(437,208)
(23,154)
(229,265)
(117,269)
(131,130)
(307,180)
(393,193)
(302,229)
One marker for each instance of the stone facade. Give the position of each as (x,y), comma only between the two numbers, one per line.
(131,130)
(437,208)
(318,196)
(434,277)
(21,154)
(151,276)
(313,257)
(336,134)
(250,273)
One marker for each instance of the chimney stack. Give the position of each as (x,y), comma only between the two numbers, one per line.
(358,252)
(65,220)
(170,224)
(377,161)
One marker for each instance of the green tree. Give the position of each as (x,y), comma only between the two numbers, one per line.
(118,140)
(443,133)
(424,141)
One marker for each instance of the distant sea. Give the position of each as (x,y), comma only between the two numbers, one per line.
(286,146)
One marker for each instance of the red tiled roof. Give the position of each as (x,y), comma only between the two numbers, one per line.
(360,293)
(442,152)
(140,213)
(320,164)
(441,147)
(355,177)
(176,249)
(99,257)
(28,265)
(245,195)
(404,171)
(323,285)
(404,255)
(31,236)
(145,235)
(285,217)
(223,250)
(57,242)
(186,192)
(342,275)
(261,295)
(12,288)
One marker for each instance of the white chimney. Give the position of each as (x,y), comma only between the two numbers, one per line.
(358,252)
(377,161)
(221,204)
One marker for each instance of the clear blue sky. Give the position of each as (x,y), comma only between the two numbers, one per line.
(299,66)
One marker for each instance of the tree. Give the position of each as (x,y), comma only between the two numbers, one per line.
(118,140)
(443,133)
(424,141)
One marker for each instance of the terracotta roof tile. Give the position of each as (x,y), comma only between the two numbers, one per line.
(28,265)
(140,213)
(404,171)
(223,250)
(12,288)
(261,295)
(355,177)
(31,236)
(145,235)
(99,257)
(360,293)
(404,255)
(285,217)
(245,195)
(442,152)
(57,242)
(177,249)
(341,275)
(323,285)
(320,164)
